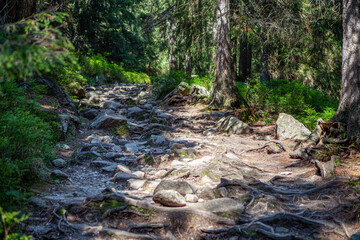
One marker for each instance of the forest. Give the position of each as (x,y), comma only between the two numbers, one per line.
(179,119)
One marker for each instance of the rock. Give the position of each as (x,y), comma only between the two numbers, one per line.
(95,140)
(169,198)
(206,193)
(139,174)
(205,179)
(59,174)
(100,163)
(90,113)
(131,147)
(120,177)
(59,163)
(135,183)
(148,106)
(107,120)
(112,105)
(109,168)
(222,192)
(355,236)
(112,155)
(122,168)
(177,146)
(326,169)
(134,111)
(38,202)
(209,132)
(181,187)
(160,173)
(287,127)
(274,149)
(157,140)
(117,148)
(181,89)
(222,205)
(197,91)
(63,146)
(300,154)
(191,198)
(233,125)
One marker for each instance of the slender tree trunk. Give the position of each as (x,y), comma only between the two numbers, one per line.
(223,90)
(245,57)
(172,42)
(349,107)
(188,64)
(265,75)
(15,10)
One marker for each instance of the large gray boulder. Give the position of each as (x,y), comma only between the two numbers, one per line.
(287,127)
(233,125)
(197,91)
(169,198)
(181,187)
(181,89)
(107,120)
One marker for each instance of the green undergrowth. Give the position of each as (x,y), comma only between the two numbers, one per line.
(164,84)
(27,137)
(292,97)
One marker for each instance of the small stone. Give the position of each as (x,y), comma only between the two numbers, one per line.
(281,230)
(233,125)
(192,198)
(180,186)
(206,193)
(124,176)
(157,140)
(117,148)
(135,183)
(139,174)
(169,198)
(59,163)
(274,149)
(122,168)
(59,174)
(222,192)
(131,147)
(112,155)
(38,202)
(101,163)
(205,179)
(222,205)
(160,173)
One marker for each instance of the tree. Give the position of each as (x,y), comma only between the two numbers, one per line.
(13,11)
(349,107)
(223,89)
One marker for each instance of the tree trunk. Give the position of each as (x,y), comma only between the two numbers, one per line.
(223,90)
(245,56)
(349,107)
(265,75)
(172,42)
(15,10)
(188,64)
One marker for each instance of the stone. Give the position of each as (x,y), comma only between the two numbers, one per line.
(181,89)
(139,174)
(112,105)
(157,140)
(209,132)
(117,148)
(205,179)
(206,193)
(326,169)
(233,125)
(95,140)
(191,198)
(169,198)
(287,127)
(177,146)
(222,205)
(112,155)
(134,111)
(59,163)
(160,173)
(90,113)
(148,106)
(59,174)
(180,186)
(222,192)
(41,203)
(132,147)
(198,92)
(299,154)
(122,168)
(109,168)
(107,120)
(100,163)
(135,183)
(124,176)
(274,149)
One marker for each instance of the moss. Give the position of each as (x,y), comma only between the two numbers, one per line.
(103,206)
(150,212)
(121,131)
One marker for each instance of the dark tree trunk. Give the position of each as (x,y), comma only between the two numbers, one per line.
(245,57)
(223,90)
(265,75)
(172,59)
(349,108)
(15,10)
(188,64)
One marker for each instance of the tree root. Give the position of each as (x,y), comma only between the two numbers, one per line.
(112,210)
(141,226)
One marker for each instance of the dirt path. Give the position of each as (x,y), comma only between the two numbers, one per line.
(239,189)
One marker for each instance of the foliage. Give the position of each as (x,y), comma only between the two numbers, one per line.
(292,97)
(9,222)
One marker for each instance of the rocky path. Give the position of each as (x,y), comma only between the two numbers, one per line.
(139,170)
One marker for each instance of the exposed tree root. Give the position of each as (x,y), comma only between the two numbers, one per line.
(112,210)
(142,226)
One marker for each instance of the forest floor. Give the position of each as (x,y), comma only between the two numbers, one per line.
(239,189)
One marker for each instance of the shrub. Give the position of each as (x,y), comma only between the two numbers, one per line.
(9,223)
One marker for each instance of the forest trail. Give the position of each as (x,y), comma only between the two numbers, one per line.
(235,186)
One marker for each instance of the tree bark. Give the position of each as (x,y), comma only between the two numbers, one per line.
(172,59)
(15,10)
(349,107)
(245,57)
(188,64)
(223,90)
(265,75)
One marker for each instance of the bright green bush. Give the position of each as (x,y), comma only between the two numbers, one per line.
(292,97)
(9,223)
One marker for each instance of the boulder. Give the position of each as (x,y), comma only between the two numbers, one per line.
(191,198)
(134,112)
(197,91)
(59,163)
(107,120)
(124,176)
(169,198)
(287,127)
(112,105)
(182,89)
(135,183)
(181,187)
(233,125)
